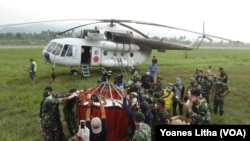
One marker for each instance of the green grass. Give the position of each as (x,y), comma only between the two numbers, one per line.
(20,98)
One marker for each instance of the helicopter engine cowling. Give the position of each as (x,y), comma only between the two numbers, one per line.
(119,37)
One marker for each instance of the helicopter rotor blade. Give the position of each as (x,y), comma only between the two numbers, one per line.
(137,31)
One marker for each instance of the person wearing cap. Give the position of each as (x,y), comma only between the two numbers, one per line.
(158,86)
(197,109)
(206,87)
(144,108)
(220,90)
(178,89)
(161,115)
(50,119)
(193,85)
(98,126)
(168,96)
(70,115)
(142,130)
(223,75)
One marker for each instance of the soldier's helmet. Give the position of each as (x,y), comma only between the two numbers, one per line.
(202,109)
(192,80)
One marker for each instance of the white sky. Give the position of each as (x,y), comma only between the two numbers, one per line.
(224,18)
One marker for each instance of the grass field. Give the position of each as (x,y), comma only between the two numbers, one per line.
(20,98)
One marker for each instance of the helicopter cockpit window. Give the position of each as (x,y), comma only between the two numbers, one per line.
(58,49)
(51,46)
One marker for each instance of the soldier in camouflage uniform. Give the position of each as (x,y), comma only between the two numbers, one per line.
(50,118)
(70,115)
(206,86)
(201,116)
(220,90)
(142,130)
(160,114)
(158,86)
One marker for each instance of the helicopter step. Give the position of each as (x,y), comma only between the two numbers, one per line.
(85,70)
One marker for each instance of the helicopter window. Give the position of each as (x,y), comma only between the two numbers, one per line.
(52,45)
(64,50)
(58,49)
(131,54)
(105,53)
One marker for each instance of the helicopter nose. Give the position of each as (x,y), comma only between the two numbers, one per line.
(46,56)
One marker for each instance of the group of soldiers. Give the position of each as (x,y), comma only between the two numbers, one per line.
(52,129)
(153,100)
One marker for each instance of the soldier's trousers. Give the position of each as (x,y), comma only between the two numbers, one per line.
(218,105)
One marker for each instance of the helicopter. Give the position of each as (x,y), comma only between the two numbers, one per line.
(111,46)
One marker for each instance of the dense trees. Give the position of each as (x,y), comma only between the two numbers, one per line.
(44,37)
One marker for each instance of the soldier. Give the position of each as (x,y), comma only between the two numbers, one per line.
(201,115)
(142,130)
(161,116)
(206,86)
(50,118)
(220,90)
(158,86)
(70,115)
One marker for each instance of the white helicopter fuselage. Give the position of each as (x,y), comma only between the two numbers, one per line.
(94,51)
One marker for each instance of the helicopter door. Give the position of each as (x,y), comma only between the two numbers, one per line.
(95,56)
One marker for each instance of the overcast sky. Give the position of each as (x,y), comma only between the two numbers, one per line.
(225,18)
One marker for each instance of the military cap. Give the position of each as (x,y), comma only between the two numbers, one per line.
(72,90)
(157,95)
(159,77)
(139,117)
(192,80)
(49,88)
(46,93)
(161,101)
(150,100)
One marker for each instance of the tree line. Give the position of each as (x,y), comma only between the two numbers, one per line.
(44,37)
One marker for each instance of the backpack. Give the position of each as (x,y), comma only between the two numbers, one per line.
(144,132)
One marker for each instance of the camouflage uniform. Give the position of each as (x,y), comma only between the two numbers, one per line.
(202,116)
(70,115)
(142,134)
(160,117)
(219,89)
(206,86)
(51,123)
